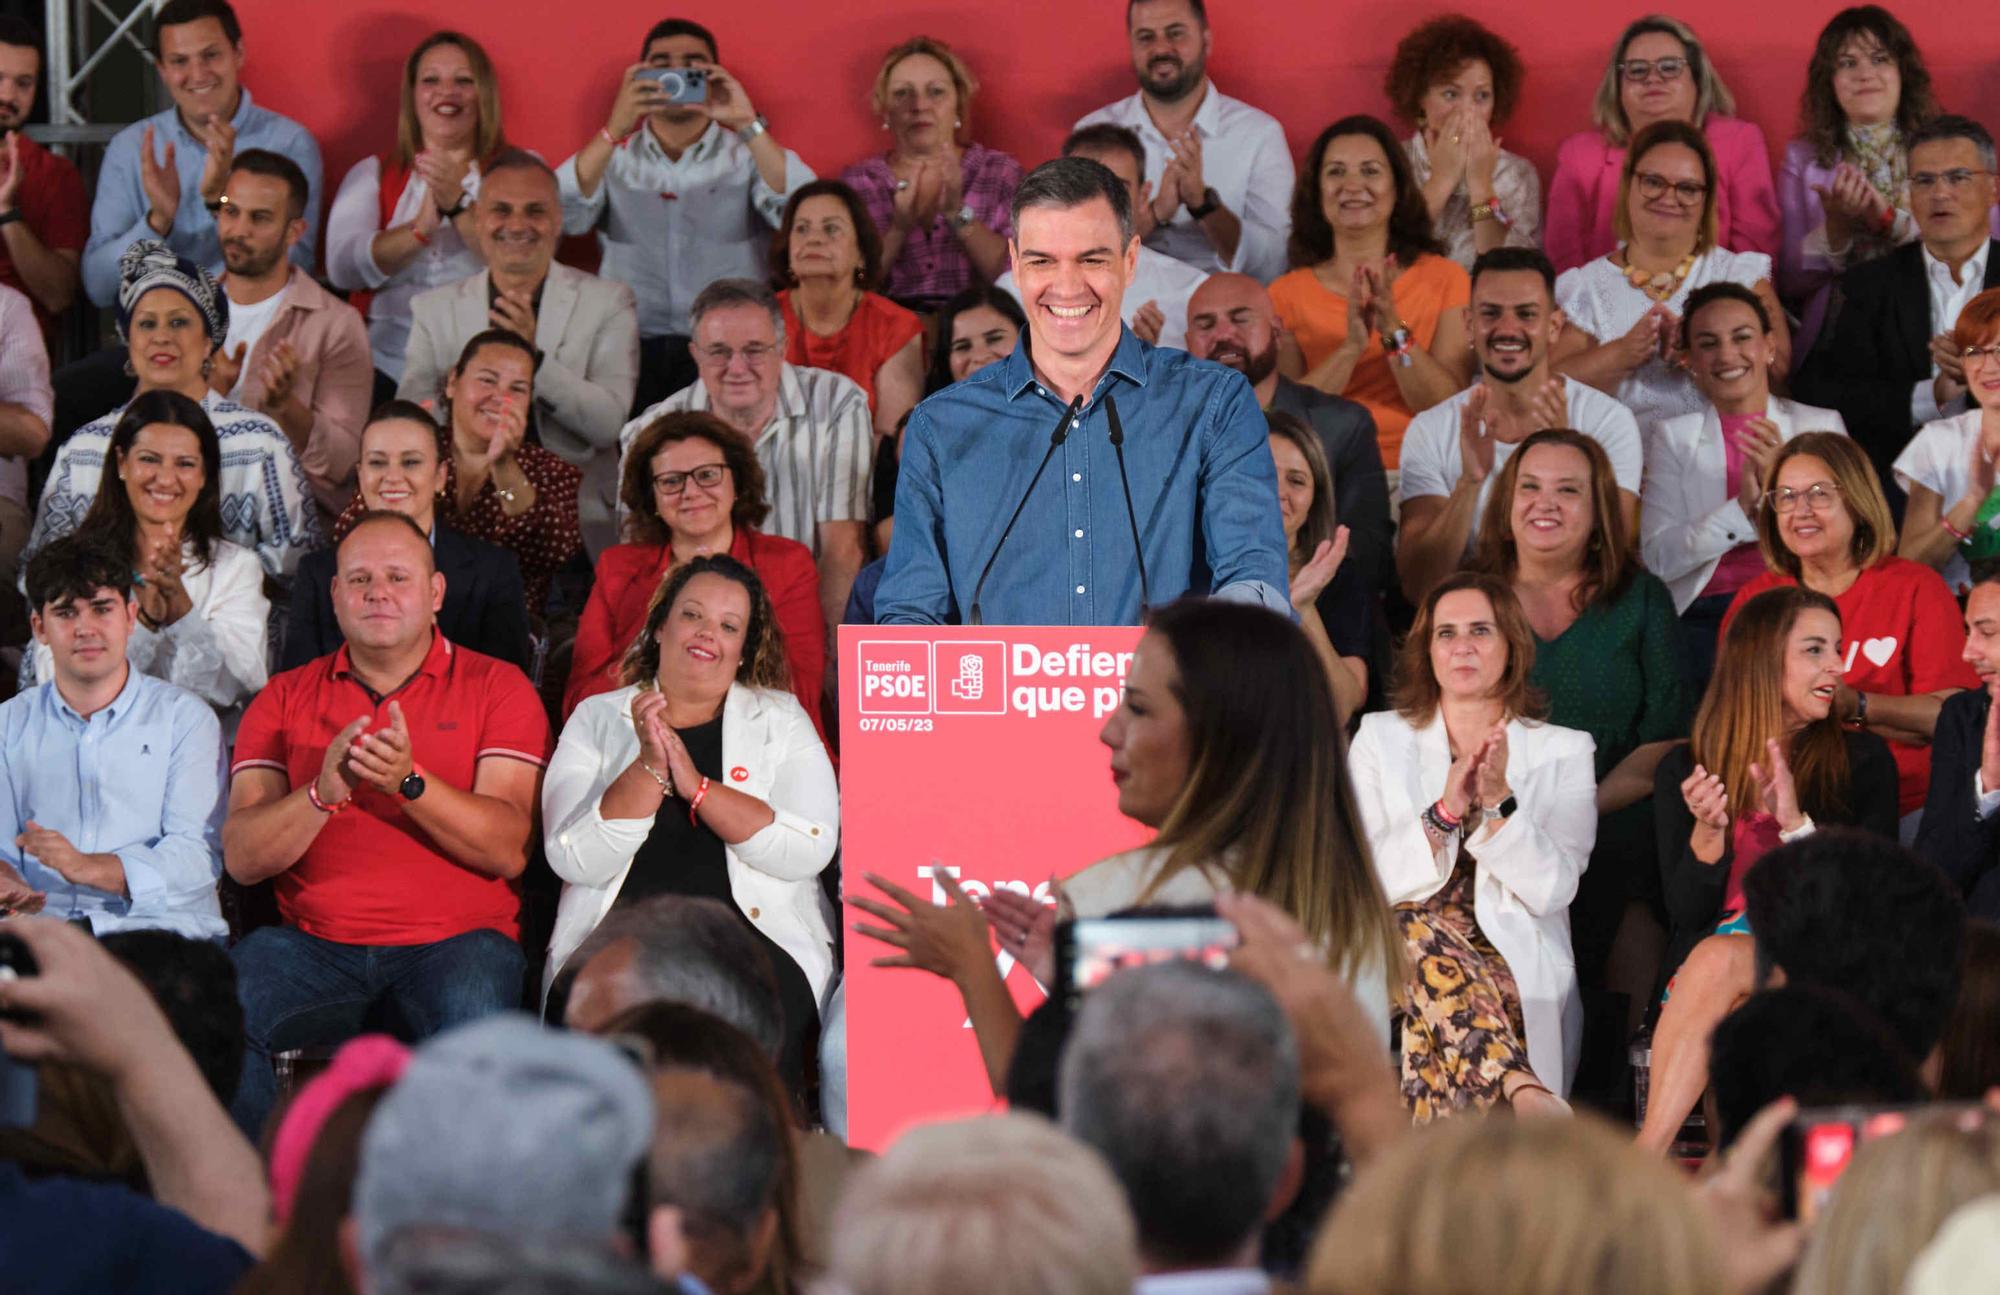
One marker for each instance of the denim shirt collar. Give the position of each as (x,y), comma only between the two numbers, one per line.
(1128,361)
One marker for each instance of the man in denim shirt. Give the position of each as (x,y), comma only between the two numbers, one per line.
(1203,491)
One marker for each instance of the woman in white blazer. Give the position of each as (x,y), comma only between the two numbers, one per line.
(1705,472)
(1480,820)
(704,777)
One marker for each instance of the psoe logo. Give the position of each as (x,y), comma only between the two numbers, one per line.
(972,678)
(895,678)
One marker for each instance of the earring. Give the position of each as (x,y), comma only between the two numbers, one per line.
(885,123)
(958,123)
(130,372)
(208,366)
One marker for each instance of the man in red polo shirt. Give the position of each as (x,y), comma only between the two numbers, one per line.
(389,789)
(44,217)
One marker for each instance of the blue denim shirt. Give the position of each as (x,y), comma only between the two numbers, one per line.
(1203,488)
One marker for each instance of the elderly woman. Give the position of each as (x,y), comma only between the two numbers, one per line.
(693,488)
(1457,83)
(701,776)
(172,317)
(401,222)
(824,263)
(941,204)
(1623,308)
(1658,72)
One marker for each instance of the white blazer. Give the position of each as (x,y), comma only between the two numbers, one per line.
(1689,515)
(1526,871)
(774,875)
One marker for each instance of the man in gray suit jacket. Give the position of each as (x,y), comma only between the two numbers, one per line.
(586,327)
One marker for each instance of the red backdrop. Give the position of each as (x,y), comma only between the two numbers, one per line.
(1045,63)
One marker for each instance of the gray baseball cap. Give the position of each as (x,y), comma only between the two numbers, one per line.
(505,1127)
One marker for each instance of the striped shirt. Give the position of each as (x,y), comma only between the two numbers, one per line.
(267,503)
(816,451)
(24,381)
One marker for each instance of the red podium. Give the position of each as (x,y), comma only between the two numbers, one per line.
(973,750)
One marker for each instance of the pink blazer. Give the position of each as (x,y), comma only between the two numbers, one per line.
(1584,194)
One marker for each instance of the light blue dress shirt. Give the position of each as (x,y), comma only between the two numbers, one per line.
(142,779)
(118,216)
(1204,491)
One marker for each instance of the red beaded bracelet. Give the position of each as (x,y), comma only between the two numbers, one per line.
(694,802)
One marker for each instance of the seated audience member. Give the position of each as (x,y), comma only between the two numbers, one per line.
(721,149)
(1480,818)
(1231,320)
(1659,72)
(1004,1204)
(693,488)
(1893,1198)
(172,317)
(202,617)
(499,486)
(1186,1081)
(1328,594)
(1969,1053)
(1948,467)
(637,803)
(1768,762)
(1622,309)
(209,1212)
(1155,305)
(293,350)
(1221,170)
(41,247)
(113,777)
(578,1117)
(826,259)
(1606,662)
(1826,526)
(1457,83)
(1889,364)
(27,405)
(1844,185)
(1508,1207)
(1454,449)
(403,470)
(1811,1043)
(810,427)
(581,328)
(1705,472)
(1960,832)
(402,220)
(943,206)
(1371,307)
(390,790)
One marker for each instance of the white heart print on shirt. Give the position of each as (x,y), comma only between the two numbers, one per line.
(1877,650)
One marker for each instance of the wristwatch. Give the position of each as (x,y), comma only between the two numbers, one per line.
(1860,717)
(452,212)
(963,218)
(753,128)
(1505,809)
(412,785)
(1209,202)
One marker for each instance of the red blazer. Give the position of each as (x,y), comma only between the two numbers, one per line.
(627,576)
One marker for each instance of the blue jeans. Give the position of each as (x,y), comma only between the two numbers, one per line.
(301,991)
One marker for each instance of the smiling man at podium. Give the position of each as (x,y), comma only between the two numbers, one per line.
(1088,475)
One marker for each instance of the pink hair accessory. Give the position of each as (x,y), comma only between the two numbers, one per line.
(363,1062)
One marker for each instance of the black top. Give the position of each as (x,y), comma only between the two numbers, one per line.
(1360,487)
(1952,835)
(680,856)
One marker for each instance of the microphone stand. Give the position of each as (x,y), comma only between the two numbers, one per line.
(1131,517)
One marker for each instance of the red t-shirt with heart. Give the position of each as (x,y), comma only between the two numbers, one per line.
(1902,633)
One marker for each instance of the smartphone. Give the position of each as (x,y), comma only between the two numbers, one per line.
(1088,949)
(1818,1145)
(19,1092)
(682,84)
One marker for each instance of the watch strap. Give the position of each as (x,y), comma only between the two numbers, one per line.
(1210,201)
(751,129)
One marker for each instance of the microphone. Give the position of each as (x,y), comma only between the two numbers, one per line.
(1131,517)
(1056,438)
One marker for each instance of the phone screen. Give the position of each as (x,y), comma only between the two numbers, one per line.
(1819,1145)
(1092,948)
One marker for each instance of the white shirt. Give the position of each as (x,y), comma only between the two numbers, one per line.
(1244,158)
(247,325)
(351,227)
(1432,466)
(1599,299)
(1936,459)
(1948,297)
(1158,279)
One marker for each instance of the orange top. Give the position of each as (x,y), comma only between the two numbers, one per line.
(876,330)
(1317,319)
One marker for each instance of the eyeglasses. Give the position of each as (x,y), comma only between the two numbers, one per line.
(1955,179)
(1819,497)
(1642,69)
(1653,185)
(1979,353)
(754,354)
(707,476)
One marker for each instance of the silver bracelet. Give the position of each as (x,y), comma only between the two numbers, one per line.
(753,128)
(666,783)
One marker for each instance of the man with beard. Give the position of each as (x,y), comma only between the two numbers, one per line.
(293,351)
(1454,450)
(44,216)
(1221,171)
(1230,319)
